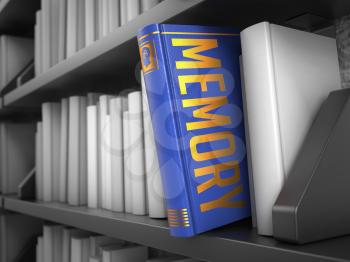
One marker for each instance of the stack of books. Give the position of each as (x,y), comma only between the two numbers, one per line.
(64,27)
(98,150)
(63,244)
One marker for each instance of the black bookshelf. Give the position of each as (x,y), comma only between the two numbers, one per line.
(238,241)
(113,60)
(17,17)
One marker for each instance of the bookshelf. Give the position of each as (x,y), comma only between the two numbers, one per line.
(112,60)
(236,240)
(18,17)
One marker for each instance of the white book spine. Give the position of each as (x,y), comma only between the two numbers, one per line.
(148,4)
(64,150)
(40,250)
(39,162)
(126,162)
(80,250)
(92,140)
(90,21)
(116,110)
(62,27)
(54,30)
(38,44)
(105,17)
(77,181)
(72,25)
(137,165)
(123,12)
(155,194)
(114,14)
(105,157)
(81,25)
(46,41)
(133,9)
(48,243)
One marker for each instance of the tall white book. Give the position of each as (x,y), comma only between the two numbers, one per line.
(155,193)
(72,27)
(95,259)
(51,150)
(105,152)
(92,156)
(117,106)
(77,155)
(133,9)
(137,166)
(288,74)
(81,25)
(68,233)
(97,242)
(54,30)
(90,21)
(125,254)
(39,162)
(126,164)
(46,35)
(38,44)
(123,12)
(80,249)
(64,150)
(40,250)
(148,4)
(62,29)
(52,240)
(113,14)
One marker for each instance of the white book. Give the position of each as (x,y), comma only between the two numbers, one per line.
(80,249)
(38,44)
(17,143)
(288,74)
(40,250)
(51,147)
(148,4)
(97,242)
(90,21)
(15,54)
(62,30)
(116,110)
(54,30)
(68,233)
(105,17)
(113,14)
(94,259)
(72,27)
(39,161)
(81,25)
(52,240)
(137,171)
(77,155)
(92,155)
(105,154)
(126,164)
(123,12)
(46,35)
(64,150)
(133,9)
(155,193)
(125,254)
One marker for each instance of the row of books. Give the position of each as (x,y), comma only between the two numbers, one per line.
(66,244)
(99,150)
(64,27)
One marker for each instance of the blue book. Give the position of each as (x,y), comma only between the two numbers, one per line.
(193,85)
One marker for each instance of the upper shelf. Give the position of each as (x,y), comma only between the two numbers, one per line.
(226,244)
(17,17)
(111,64)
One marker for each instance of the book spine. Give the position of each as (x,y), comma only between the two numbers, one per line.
(4,161)
(126,162)
(161,105)
(39,162)
(64,151)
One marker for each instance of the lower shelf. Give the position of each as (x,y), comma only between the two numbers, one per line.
(236,242)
